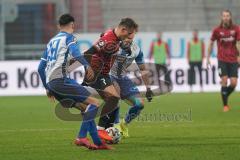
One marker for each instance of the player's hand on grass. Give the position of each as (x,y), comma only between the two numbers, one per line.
(149,94)
(50,96)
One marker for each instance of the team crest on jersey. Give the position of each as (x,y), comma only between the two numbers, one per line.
(232,32)
(101,43)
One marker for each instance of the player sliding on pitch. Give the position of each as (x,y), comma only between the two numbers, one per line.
(227,36)
(55,78)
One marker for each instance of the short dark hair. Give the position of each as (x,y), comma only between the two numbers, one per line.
(65,19)
(129,23)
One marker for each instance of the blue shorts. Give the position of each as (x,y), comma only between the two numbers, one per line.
(127,87)
(68,89)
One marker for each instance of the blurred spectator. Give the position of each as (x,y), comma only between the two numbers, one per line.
(159,51)
(195,55)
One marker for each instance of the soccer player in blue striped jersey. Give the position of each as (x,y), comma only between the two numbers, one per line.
(53,70)
(128,53)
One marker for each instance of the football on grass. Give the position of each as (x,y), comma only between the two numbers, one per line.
(115,134)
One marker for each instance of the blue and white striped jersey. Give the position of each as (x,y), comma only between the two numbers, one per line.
(58,53)
(125,59)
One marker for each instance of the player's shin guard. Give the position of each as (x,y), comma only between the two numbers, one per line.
(224,94)
(133,112)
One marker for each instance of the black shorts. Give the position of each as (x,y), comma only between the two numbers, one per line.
(102,82)
(227,69)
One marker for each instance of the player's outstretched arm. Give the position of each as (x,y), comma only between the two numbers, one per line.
(41,69)
(145,74)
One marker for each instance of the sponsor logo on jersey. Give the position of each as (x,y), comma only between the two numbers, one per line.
(228,39)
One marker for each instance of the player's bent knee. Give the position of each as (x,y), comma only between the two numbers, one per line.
(92,100)
(233,85)
(224,82)
(139,103)
(233,82)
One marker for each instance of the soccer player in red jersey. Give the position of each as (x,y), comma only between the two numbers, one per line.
(227,36)
(101,56)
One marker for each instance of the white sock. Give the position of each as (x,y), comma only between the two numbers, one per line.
(100,128)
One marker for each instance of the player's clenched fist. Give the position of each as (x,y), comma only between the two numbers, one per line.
(149,94)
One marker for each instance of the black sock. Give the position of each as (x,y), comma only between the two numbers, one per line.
(103,121)
(111,120)
(230,89)
(224,94)
(108,120)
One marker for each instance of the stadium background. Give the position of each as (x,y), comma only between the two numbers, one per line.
(27,25)
(29,128)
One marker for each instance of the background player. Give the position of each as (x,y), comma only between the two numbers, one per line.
(227,36)
(101,55)
(55,78)
(195,55)
(160,52)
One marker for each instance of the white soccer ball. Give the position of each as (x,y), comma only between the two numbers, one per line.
(115,134)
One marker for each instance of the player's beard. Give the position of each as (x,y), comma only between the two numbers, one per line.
(226,24)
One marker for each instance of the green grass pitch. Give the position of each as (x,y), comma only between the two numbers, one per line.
(29,130)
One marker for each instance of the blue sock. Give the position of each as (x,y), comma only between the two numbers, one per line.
(90,112)
(93,133)
(83,130)
(89,116)
(134,111)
